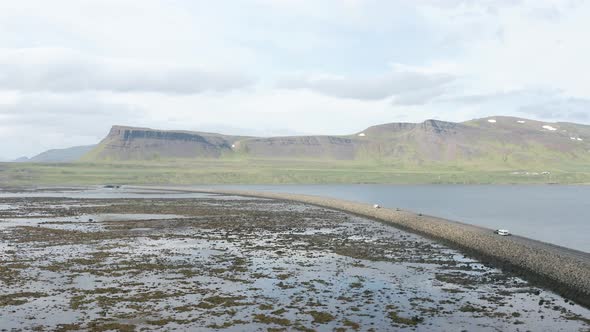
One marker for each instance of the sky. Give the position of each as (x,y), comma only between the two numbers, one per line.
(69,70)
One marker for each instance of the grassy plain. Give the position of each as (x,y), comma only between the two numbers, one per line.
(261,171)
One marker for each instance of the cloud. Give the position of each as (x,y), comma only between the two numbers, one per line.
(33,123)
(408,87)
(569,109)
(541,104)
(64,71)
(420,96)
(527,45)
(513,97)
(76,115)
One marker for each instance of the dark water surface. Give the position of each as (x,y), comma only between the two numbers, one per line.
(549,213)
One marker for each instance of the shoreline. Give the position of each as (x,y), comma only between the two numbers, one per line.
(163,259)
(562,270)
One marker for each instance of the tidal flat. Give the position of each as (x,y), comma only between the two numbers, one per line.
(133,262)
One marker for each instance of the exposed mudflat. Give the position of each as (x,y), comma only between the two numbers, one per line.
(209,262)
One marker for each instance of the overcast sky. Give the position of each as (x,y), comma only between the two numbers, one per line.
(71,69)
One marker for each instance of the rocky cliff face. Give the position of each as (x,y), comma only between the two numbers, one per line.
(130,143)
(317,147)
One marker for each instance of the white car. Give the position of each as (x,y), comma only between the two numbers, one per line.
(503,232)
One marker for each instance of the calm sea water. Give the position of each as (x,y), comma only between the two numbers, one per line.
(554,214)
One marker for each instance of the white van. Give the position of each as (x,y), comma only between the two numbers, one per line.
(503,232)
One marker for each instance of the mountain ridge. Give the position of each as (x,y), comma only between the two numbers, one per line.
(490,140)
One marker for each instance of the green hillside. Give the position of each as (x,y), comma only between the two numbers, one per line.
(260,171)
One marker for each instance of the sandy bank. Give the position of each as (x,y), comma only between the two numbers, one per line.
(563,270)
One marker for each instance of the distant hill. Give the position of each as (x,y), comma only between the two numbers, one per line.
(485,142)
(59,155)
(21,160)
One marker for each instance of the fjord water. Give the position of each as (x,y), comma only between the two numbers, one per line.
(551,213)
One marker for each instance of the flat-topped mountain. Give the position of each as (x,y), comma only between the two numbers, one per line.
(132,143)
(488,141)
